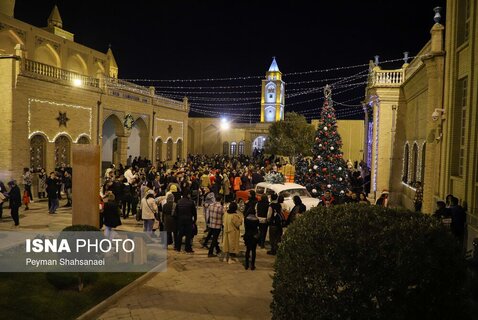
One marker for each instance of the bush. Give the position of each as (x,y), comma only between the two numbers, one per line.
(70,280)
(368,262)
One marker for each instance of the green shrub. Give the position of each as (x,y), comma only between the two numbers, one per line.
(368,262)
(70,280)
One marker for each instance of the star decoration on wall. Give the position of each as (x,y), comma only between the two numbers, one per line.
(170,128)
(62,119)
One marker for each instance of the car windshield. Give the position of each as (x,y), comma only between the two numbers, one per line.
(294,192)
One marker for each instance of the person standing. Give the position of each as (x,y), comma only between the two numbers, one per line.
(148,212)
(216,213)
(168,211)
(127,197)
(232,233)
(3,197)
(52,192)
(251,238)
(15,200)
(297,210)
(27,182)
(111,215)
(262,209)
(68,185)
(209,199)
(41,183)
(274,216)
(458,220)
(186,216)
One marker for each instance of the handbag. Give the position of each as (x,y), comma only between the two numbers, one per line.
(195,229)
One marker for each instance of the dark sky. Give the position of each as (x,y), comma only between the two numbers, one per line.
(173,39)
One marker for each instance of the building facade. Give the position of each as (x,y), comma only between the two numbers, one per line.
(425,119)
(56,93)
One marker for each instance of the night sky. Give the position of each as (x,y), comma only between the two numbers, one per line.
(164,40)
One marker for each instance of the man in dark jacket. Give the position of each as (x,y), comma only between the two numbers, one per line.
(458,220)
(52,192)
(68,187)
(15,201)
(186,215)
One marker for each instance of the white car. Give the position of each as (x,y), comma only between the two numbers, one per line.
(288,191)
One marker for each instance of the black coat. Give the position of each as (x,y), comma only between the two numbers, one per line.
(251,235)
(111,215)
(186,211)
(52,188)
(15,197)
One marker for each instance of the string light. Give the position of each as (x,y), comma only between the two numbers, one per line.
(258,77)
(57,104)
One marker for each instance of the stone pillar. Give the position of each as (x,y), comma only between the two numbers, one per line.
(123,149)
(86,170)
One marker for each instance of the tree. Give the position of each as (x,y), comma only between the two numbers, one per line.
(327,171)
(368,262)
(291,136)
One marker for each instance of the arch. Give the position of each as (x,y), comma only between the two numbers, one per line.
(8,40)
(77,64)
(169,150)
(225,148)
(37,151)
(421,176)
(112,129)
(271,91)
(241,147)
(270,113)
(138,139)
(179,149)
(62,150)
(83,140)
(406,162)
(233,148)
(47,54)
(414,166)
(258,143)
(159,150)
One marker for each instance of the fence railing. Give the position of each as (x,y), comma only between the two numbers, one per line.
(64,76)
(387,77)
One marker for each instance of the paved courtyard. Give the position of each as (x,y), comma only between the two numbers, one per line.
(193,287)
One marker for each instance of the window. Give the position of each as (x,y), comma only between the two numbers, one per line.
(459,127)
(62,151)
(179,149)
(159,150)
(37,151)
(406,159)
(463,30)
(225,148)
(83,140)
(169,150)
(233,148)
(414,164)
(241,147)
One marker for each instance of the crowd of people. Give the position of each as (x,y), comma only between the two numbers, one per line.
(166,198)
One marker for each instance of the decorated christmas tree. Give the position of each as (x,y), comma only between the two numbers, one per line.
(327,170)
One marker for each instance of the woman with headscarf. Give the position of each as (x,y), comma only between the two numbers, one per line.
(297,210)
(15,201)
(232,224)
(148,211)
(262,208)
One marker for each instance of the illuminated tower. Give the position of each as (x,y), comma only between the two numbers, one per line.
(272,99)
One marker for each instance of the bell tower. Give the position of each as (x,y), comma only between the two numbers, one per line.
(272,98)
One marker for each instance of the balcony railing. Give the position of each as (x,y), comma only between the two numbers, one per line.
(111,86)
(387,78)
(43,70)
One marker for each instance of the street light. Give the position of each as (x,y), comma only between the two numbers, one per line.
(225,124)
(77,82)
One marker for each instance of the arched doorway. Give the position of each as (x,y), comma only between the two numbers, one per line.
(179,150)
(169,150)
(225,148)
(62,151)
(112,128)
(258,143)
(83,140)
(138,139)
(37,151)
(241,147)
(159,151)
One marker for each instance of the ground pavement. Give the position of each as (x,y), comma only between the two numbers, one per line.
(193,287)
